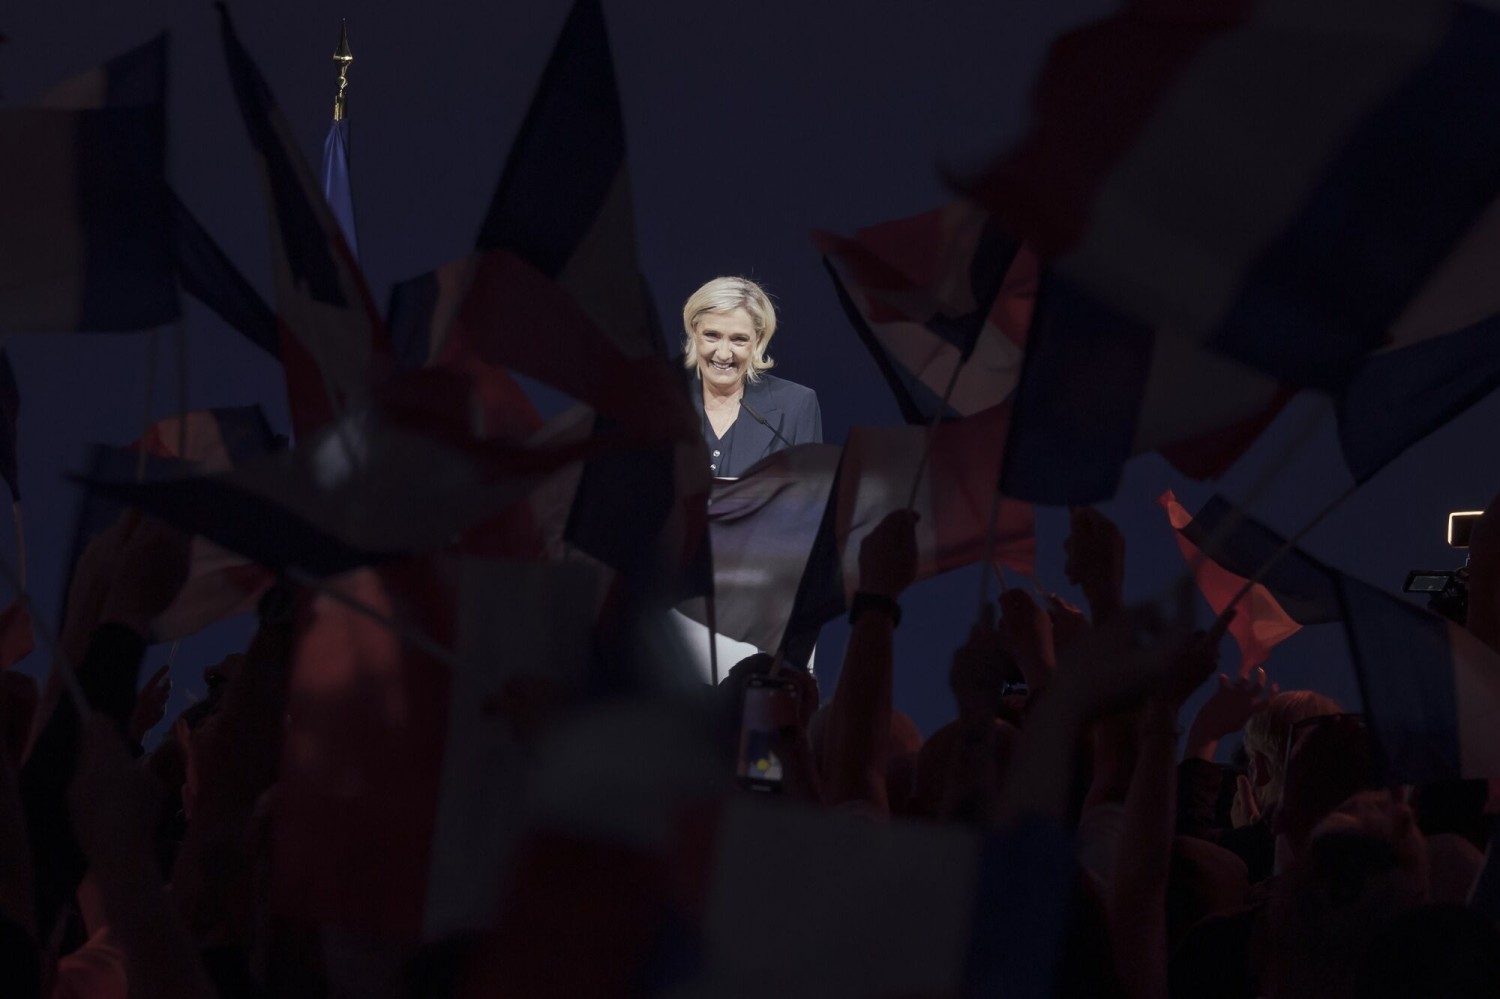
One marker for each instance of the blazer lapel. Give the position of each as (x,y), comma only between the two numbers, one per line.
(758,439)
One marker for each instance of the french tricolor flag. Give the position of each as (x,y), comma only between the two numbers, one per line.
(85,241)
(937,291)
(220,583)
(403,787)
(1260,622)
(1097,389)
(897,909)
(1431,689)
(955,498)
(1273,180)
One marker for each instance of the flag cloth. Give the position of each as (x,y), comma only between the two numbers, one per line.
(220,584)
(932,292)
(1097,389)
(761,528)
(402,763)
(337,188)
(334,347)
(1271,181)
(1242,546)
(896,908)
(555,279)
(563,204)
(1397,398)
(1431,689)
(84,233)
(367,489)
(16,638)
(421,317)
(1260,622)
(207,274)
(554,276)
(954,499)
(10,416)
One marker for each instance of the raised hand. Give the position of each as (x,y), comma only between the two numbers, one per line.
(1136,654)
(1232,704)
(977,675)
(888,555)
(1026,631)
(1069,624)
(114,803)
(1095,560)
(150,704)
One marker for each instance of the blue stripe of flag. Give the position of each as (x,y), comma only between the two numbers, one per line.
(1395,399)
(1306,588)
(1078,401)
(337,187)
(1404,662)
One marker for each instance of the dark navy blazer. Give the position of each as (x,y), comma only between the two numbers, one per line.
(791,408)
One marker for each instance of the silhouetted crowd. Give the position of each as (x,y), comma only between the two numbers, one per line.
(1289,871)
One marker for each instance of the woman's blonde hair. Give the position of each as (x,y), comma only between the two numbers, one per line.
(722,295)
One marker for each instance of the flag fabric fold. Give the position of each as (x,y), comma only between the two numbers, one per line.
(761,529)
(220,584)
(1097,389)
(954,500)
(401,762)
(84,233)
(1260,622)
(369,488)
(1397,398)
(10,417)
(17,639)
(1431,689)
(1170,177)
(208,274)
(337,187)
(936,291)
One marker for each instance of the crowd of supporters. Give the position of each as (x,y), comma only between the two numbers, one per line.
(1288,871)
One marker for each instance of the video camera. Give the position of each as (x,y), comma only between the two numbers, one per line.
(1448,589)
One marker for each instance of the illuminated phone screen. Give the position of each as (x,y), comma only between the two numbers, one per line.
(770,707)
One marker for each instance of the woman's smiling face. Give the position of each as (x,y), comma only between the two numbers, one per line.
(726,341)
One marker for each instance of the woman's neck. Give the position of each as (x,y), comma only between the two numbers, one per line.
(719,398)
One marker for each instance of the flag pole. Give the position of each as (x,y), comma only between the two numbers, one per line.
(1259,486)
(711,612)
(1287,546)
(987,554)
(140,457)
(182,387)
(343,58)
(932,426)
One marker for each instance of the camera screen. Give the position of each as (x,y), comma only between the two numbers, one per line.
(1426,583)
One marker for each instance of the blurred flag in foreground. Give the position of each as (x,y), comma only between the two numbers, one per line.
(85,239)
(934,292)
(1268,184)
(1431,689)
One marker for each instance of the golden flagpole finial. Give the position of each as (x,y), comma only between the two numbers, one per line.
(342,57)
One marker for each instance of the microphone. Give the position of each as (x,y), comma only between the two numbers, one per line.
(763,422)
